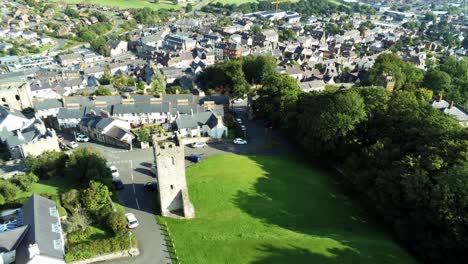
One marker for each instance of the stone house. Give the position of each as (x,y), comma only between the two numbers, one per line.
(107,130)
(201,124)
(117,47)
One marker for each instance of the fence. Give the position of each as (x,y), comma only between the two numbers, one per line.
(170,243)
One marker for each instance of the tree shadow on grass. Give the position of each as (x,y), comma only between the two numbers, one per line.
(293,254)
(297,197)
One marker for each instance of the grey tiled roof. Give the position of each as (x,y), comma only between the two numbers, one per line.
(98,122)
(200,119)
(10,240)
(140,108)
(36,214)
(47,104)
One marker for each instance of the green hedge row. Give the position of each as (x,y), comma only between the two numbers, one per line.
(98,247)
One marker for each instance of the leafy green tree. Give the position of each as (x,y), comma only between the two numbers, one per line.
(7,190)
(26,182)
(279,92)
(437,80)
(175,2)
(224,21)
(86,164)
(102,90)
(141,86)
(258,68)
(96,196)
(158,83)
(256,29)
(117,222)
(71,200)
(78,221)
(47,165)
(106,77)
(188,8)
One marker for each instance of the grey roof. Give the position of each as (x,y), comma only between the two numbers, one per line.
(47,104)
(98,122)
(200,119)
(11,239)
(90,102)
(117,133)
(218,99)
(141,108)
(36,214)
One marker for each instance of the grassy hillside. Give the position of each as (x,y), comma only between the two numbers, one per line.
(275,210)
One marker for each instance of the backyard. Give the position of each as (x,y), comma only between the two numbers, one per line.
(276,210)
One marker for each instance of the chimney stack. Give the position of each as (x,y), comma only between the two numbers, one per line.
(451,105)
(439,98)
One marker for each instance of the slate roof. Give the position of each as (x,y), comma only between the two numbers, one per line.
(37,215)
(11,239)
(47,104)
(141,108)
(117,133)
(97,122)
(200,119)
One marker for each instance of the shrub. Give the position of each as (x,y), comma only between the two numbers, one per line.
(95,197)
(8,190)
(47,165)
(120,242)
(25,182)
(71,200)
(117,222)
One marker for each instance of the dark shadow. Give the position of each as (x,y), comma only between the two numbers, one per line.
(301,255)
(145,171)
(146,199)
(146,164)
(294,196)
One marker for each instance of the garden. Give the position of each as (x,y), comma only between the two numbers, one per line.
(80,184)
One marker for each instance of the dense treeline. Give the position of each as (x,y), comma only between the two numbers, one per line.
(408,160)
(305,7)
(237,75)
(449,78)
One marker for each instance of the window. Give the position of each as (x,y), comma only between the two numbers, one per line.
(58,244)
(53,211)
(173,160)
(3,99)
(172,187)
(17,97)
(56,227)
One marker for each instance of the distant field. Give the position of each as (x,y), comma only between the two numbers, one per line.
(268,210)
(238,2)
(129,3)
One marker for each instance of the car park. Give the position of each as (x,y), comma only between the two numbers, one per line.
(195,158)
(114,171)
(199,145)
(82,138)
(239,141)
(118,184)
(72,144)
(150,186)
(132,222)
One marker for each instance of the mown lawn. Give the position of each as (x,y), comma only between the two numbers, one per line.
(130,3)
(276,210)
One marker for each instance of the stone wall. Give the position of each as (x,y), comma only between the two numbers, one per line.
(38,147)
(16,95)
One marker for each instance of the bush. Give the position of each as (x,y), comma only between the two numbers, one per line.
(71,200)
(47,165)
(8,190)
(25,182)
(117,222)
(121,242)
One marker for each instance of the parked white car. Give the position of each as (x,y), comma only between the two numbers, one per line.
(82,138)
(199,145)
(72,144)
(243,127)
(239,141)
(239,120)
(238,100)
(114,171)
(132,222)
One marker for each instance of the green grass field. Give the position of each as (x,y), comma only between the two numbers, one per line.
(276,210)
(130,3)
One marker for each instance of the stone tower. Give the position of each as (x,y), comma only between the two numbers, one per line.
(173,193)
(388,82)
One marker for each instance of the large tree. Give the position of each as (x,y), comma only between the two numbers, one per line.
(158,83)
(95,197)
(279,92)
(258,68)
(86,164)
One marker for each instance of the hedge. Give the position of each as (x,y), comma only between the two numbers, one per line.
(99,247)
